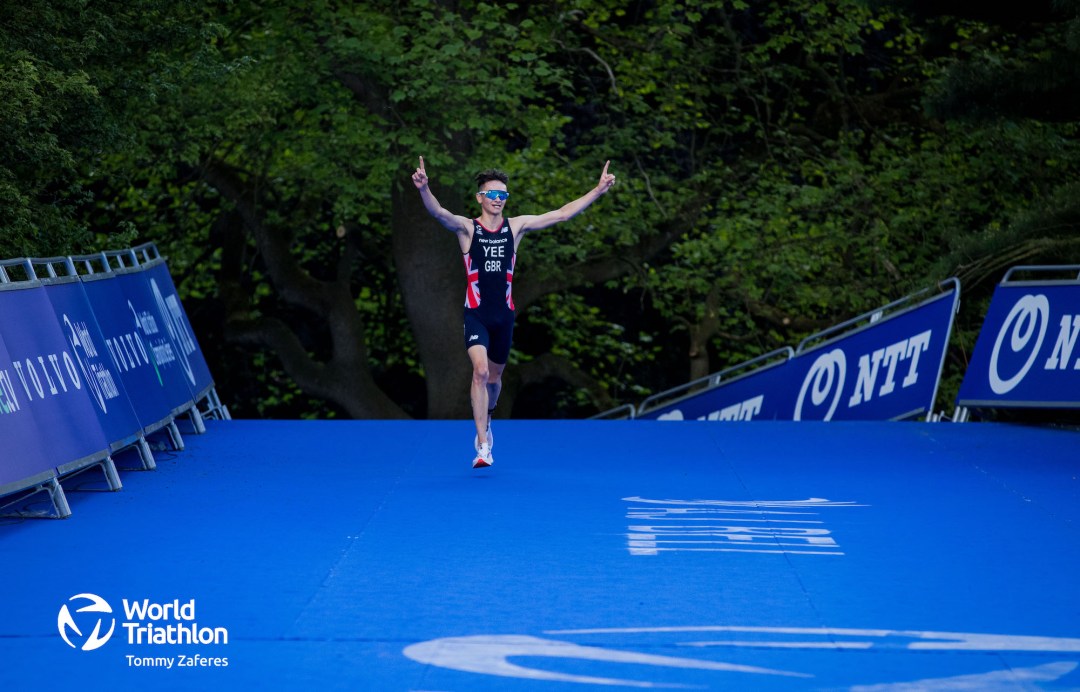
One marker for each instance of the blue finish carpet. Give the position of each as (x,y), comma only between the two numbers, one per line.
(367,555)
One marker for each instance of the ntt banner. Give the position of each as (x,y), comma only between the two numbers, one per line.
(749,397)
(887,369)
(1028,351)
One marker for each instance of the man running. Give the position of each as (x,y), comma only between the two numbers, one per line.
(489,247)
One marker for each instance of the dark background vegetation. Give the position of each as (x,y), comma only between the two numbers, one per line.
(782,167)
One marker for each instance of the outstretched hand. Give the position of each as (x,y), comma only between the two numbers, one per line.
(420,179)
(606,179)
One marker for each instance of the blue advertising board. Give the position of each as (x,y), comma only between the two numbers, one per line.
(89,364)
(178,327)
(22,457)
(886,370)
(41,377)
(138,349)
(757,395)
(1027,353)
(78,321)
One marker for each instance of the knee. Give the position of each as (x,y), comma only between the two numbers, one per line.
(480,374)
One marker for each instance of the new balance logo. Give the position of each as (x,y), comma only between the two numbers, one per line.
(474,337)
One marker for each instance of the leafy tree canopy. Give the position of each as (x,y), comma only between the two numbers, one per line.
(782,166)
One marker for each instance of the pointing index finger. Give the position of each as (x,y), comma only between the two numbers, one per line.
(422,165)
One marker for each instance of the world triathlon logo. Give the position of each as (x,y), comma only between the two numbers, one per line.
(92,618)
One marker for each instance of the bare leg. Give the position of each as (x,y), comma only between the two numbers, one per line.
(495,371)
(479,389)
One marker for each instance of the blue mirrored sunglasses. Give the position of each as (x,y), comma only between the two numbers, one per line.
(500,195)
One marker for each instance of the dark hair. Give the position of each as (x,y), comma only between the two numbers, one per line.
(489,175)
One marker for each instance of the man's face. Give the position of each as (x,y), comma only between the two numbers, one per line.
(490,199)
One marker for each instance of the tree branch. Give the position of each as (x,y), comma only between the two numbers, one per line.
(293,284)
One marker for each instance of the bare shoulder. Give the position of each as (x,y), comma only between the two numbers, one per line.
(464,233)
(523,224)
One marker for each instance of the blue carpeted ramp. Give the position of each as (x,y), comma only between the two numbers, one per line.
(593,555)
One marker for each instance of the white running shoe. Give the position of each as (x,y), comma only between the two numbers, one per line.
(483,457)
(490,439)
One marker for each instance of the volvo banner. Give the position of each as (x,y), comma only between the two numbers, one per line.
(21,455)
(1027,353)
(887,369)
(42,380)
(90,363)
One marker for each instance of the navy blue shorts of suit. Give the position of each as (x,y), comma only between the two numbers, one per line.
(492,330)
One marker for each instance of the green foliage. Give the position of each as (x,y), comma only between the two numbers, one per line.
(68,72)
(782,166)
(617,353)
(44,105)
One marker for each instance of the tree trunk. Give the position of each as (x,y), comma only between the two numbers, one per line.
(432,281)
(345,378)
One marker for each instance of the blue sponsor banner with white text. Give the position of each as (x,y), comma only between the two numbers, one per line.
(41,377)
(886,370)
(137,346)
(178,328)
(78,321)
(21,453)
(1028,351)
(749,397)
(89,363)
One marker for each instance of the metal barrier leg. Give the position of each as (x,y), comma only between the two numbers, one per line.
(59,500)
(214,408)
(111,476)
(145,454)
(174,436)
(196,420)
(60,507)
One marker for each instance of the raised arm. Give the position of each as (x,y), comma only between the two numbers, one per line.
(452,222)
(524,224)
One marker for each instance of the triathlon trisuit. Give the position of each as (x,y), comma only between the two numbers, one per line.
(489,305)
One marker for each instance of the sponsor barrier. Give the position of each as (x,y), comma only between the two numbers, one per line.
(1026,355)
(618,413)
(143,356)
(91,362)
(883,365)
(43,385)
(88,351)
(737,393)
(24,462)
